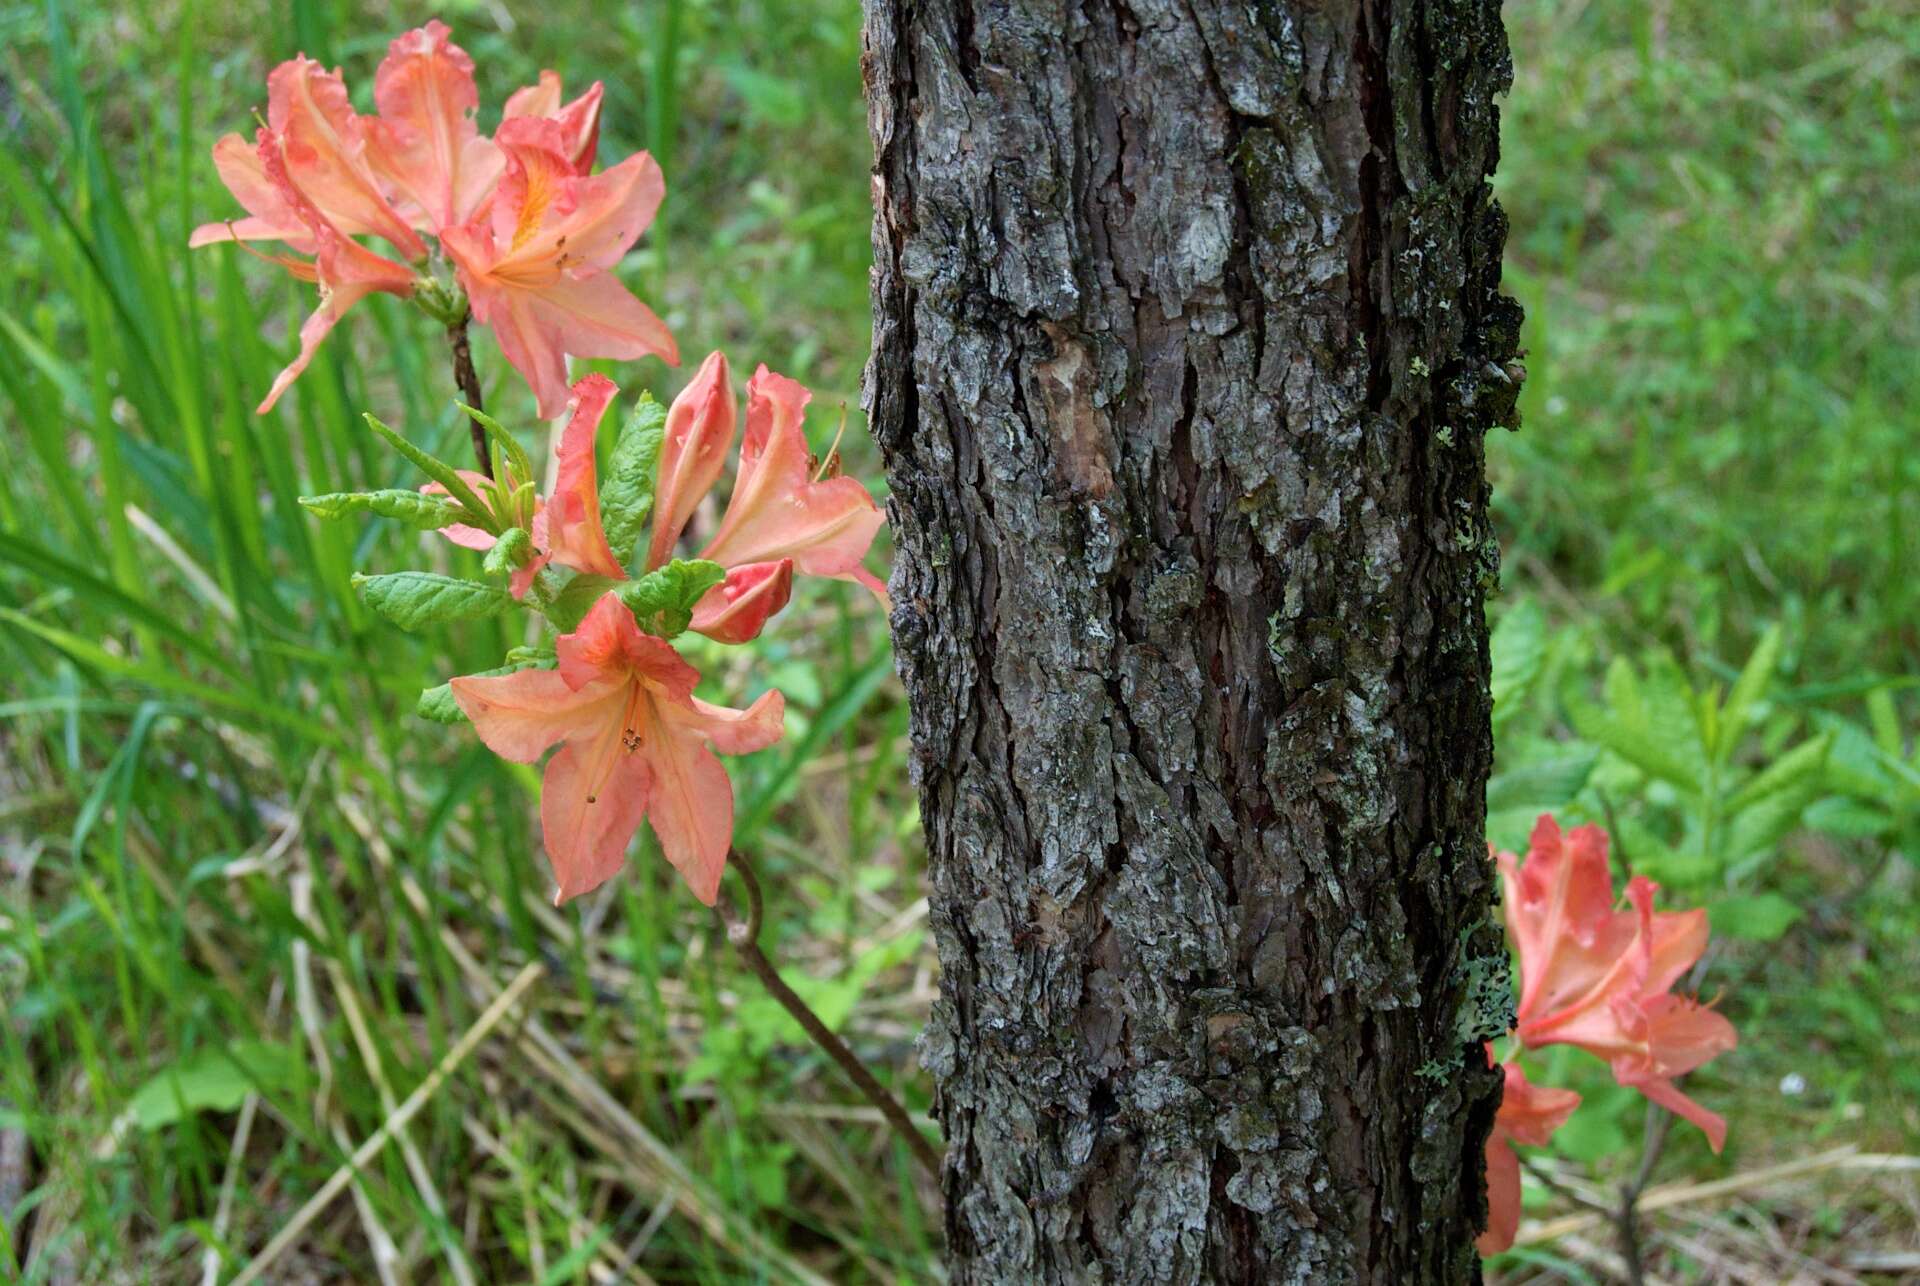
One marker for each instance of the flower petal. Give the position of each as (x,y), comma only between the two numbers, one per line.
(574,532)
(1503,1198)
(346,270)
(554,220)
(776,511)
(536,329)
(733,732)
(699,430)
(519,715)
(586,825)
(1558,903)
(325,148)
(609,644)
(691,808)
(424,141)
(1667,1095)
(579,120)
(737,609)
(270,217)
(1530,1113)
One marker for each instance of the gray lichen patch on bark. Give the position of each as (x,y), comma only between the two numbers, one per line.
(1187,330)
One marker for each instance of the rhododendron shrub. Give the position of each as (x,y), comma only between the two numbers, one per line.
(1600,976)
(514,230)
(609,688)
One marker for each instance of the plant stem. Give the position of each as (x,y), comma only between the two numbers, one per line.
(745,937)
(469,381)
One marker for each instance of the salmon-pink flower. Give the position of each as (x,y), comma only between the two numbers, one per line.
(1528,1115)
(424,142)
(579,120)
(634,743)
(323,144)
(1599,978)
(778,521)
(693,451)
(531,232)
(345,270)
(536,262)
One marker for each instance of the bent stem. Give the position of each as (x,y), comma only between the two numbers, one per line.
(469,381)
(745,937)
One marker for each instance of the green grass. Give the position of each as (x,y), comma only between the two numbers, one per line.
(231,859)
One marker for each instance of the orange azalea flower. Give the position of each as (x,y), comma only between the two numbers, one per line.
(532,236)
(1599,978)
(1529,1114)
(778,521)
(425,143)
(634,743)
(535,264)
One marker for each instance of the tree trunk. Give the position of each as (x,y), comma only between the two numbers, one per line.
(1187,334)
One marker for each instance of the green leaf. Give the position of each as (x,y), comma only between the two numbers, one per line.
(1886,724)
(570,604)
(1546,783)
(440,471)
(428,513)
(1790,772)
(509,552)
(414,599)
(1758,917)
(1747,691)
(662,601)
(514,454)
(211,1080)
(1519,647)
(1848,818)
(1654,727)
(626,492)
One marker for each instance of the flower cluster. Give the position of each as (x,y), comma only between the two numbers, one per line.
(529,234)
(527,231)
(619,700)
(1600,977)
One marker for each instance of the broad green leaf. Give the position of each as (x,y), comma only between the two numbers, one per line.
(567,606)
(1519,646)
(1848,818)
(439,470)
(415,599)
(211,1080)
(626,492)
(1855,764)
(1639,747)
(1790,772)
(513,548)
(1886,723)
(1758,917)
(1747,691)
(428,513)
(1544,783)
(662,601)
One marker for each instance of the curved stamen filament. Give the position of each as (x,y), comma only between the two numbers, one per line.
(608,750)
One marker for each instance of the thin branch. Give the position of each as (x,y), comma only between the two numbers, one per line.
(469,381)
(745,937)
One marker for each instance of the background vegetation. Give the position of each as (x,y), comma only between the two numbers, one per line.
(247,902)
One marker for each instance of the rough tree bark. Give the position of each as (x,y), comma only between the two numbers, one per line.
(1188,331)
